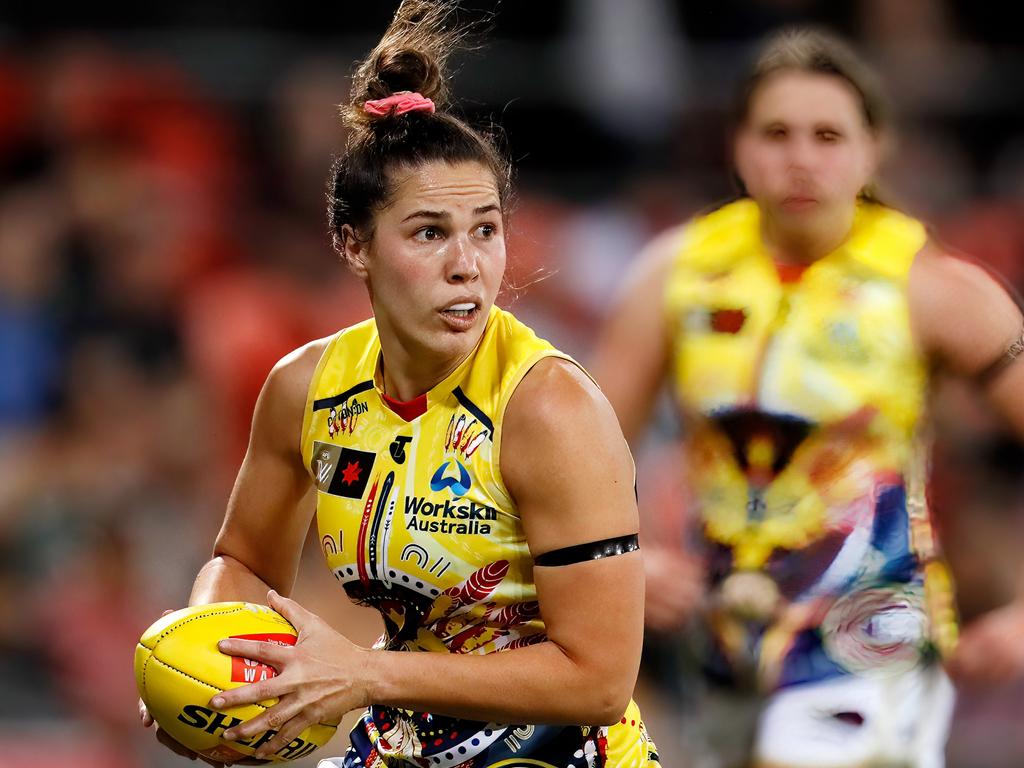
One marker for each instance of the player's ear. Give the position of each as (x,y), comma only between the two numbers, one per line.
(353,250)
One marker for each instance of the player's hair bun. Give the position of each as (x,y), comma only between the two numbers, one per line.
(411,56)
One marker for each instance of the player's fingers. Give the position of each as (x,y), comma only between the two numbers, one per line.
(264,690)
(284,737)
(291,610)
(257,650)
(274,719)
(147,719)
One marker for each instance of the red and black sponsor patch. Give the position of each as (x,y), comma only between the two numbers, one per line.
(352,473)
(249,671)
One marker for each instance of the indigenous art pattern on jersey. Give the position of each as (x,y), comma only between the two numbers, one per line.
(414,520)
(803,397)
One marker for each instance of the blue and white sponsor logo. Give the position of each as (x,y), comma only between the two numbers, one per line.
(460,485)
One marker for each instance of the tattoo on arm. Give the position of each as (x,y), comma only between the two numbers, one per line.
(1012,352)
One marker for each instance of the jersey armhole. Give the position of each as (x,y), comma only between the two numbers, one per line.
(307,411)
(506,396)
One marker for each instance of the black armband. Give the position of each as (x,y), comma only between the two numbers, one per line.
(594,550)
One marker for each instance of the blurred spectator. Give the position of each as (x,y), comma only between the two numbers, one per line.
(30,271)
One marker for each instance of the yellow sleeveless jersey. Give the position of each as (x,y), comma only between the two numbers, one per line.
(803,395)
(414,519)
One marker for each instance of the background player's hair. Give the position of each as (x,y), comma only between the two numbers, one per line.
(817,51)
(411,56)
(809,49)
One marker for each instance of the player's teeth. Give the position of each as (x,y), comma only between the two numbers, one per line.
(461,308)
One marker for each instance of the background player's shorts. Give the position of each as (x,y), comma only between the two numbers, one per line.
(855,721)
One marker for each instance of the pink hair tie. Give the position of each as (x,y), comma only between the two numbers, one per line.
(398,104)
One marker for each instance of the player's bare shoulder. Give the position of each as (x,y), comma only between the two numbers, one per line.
(556,415)
(555,393)
(293,373)
(279,411)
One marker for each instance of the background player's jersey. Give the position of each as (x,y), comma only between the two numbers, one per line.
(803,395)
(414,520)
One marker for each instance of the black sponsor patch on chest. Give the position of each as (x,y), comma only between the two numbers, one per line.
(342,471)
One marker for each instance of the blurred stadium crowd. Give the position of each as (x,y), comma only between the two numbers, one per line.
(163,242)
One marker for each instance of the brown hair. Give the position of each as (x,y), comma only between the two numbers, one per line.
(809,49)
(411,56)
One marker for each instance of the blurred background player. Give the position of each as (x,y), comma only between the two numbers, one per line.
(433,444)
(799,327)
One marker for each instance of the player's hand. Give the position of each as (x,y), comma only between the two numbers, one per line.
(991,648)
(317,681)
(164,738)
(674,587)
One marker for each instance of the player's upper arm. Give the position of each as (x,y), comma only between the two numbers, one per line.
(567,467)
(564,460)
(632,353)
(965,322)
(267,519)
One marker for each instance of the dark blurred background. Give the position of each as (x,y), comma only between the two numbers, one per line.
(163,242)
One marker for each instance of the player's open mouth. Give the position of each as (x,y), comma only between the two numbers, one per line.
(461,315)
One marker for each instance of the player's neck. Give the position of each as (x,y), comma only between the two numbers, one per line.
(808,242)
(405,377)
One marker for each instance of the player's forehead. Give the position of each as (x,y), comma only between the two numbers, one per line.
(448,189)
(795,97)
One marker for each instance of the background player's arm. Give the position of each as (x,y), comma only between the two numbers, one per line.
(632,354)
(631,364)
(269,512)
(566,465)
(964,320)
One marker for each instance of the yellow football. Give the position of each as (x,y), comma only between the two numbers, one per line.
(178,669)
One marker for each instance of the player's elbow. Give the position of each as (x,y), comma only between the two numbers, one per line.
(607,705)
(605,697)
(599,689)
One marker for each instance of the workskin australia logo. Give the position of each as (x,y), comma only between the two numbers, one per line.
(460,485)
(465,517)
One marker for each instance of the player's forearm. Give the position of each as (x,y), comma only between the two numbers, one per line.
(539,684)
(225,578)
